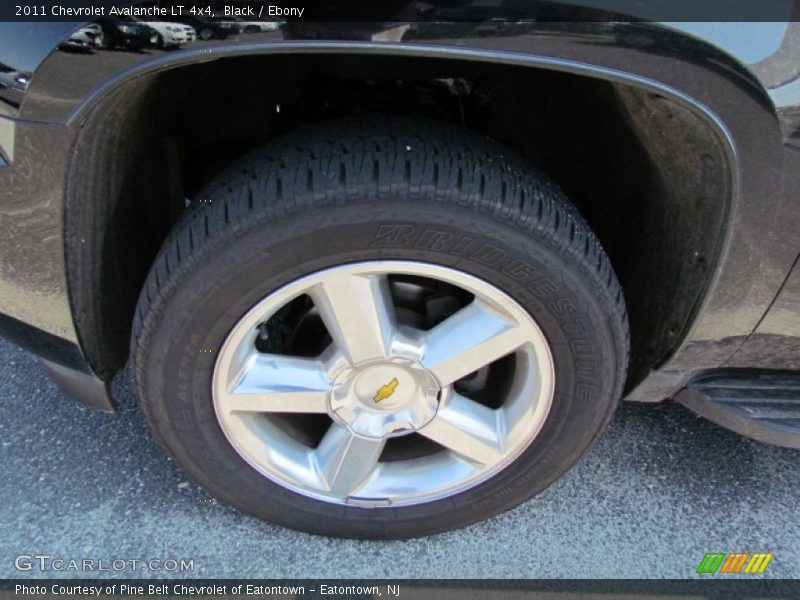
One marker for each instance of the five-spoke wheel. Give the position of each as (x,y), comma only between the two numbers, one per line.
(381,377)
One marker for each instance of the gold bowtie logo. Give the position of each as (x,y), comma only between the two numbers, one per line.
(386,390)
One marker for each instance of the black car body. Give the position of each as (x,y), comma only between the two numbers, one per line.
(86,39)
(127,34)
(684,141)
(211,28)
(12,85)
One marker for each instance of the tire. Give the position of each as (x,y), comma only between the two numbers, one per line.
(337,194)
(206,34)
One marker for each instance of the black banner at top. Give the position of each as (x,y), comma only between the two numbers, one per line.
(407,10)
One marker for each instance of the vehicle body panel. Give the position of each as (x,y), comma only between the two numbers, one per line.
(127,34)
(753,106)
(172,34)
(86,39)
(776,340)
(13,85)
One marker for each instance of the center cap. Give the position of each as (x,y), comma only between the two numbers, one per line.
(390,397)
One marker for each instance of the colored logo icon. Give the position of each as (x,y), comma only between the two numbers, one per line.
(734,563)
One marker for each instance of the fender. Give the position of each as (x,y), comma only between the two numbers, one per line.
(756,121)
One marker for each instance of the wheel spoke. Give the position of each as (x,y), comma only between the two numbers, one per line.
(272,383)
(473,337)
(469,429)
(358,312)
(345,460)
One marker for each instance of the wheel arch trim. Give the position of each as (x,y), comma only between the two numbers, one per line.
(421,51)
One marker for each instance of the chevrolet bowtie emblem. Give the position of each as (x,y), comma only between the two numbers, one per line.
(386,390)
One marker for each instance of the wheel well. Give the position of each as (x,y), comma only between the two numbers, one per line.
(649,175)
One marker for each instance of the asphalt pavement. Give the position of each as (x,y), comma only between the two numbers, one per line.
(660,489)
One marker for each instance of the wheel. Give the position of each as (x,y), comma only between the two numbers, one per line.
(160,43)
(206,33)
(379,328)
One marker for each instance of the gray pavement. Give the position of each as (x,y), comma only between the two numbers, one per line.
(660,489)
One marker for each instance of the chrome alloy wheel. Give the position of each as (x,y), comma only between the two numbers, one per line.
(384,380)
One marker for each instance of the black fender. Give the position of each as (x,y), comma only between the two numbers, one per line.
(750,108)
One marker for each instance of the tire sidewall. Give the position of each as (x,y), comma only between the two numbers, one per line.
(244,267)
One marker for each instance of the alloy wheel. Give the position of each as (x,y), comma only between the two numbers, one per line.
(382,377)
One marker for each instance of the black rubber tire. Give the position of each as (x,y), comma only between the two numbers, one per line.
(347,191)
